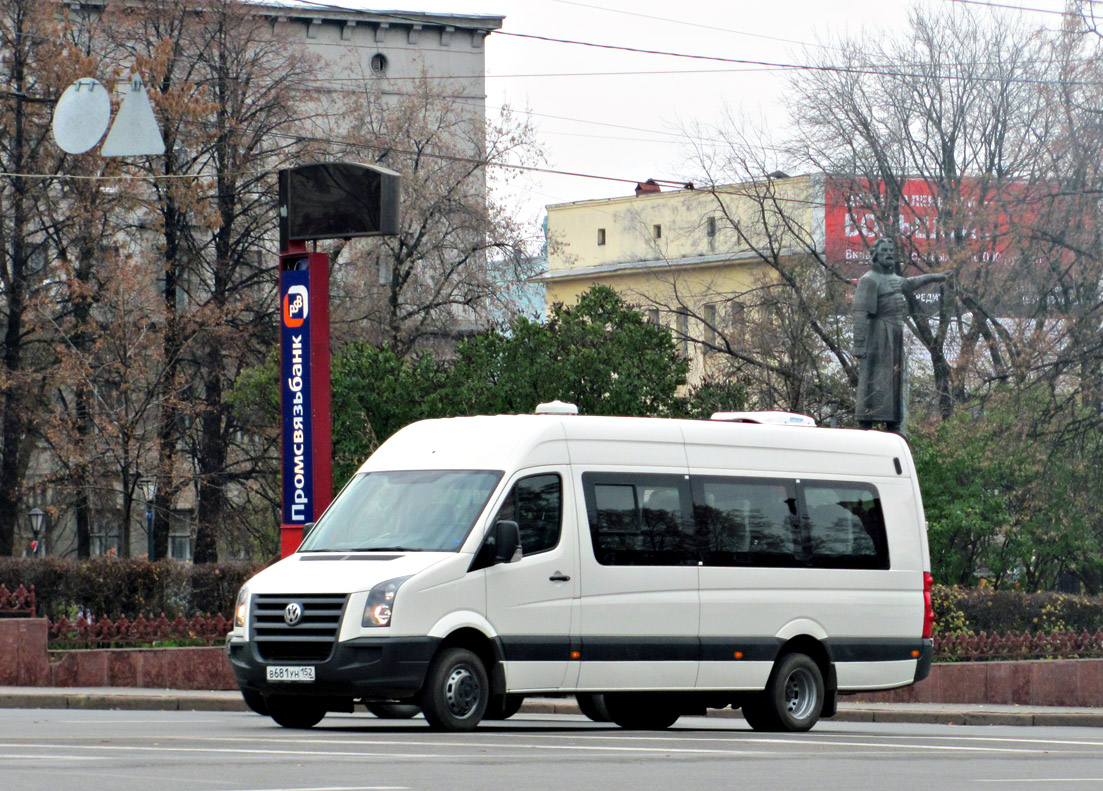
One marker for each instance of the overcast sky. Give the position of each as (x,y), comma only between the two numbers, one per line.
(617,119)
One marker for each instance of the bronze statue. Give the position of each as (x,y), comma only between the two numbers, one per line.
(879,310)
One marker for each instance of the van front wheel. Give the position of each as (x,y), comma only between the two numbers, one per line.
(793,698)
(456,691)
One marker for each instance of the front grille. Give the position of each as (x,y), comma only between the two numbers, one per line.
(310,640)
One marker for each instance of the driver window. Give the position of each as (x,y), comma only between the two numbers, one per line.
(535,504)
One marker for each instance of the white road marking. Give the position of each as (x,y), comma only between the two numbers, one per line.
(588,748)
(1043,780)
(30,757)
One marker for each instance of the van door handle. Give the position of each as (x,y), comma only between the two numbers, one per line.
(558,577)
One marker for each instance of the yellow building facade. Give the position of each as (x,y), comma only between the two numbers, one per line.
(684,257)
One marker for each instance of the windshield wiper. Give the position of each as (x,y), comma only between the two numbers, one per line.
(386,549)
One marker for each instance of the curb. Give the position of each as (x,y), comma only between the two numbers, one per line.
(128,702)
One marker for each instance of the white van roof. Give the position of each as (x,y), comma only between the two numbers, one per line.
(510,442)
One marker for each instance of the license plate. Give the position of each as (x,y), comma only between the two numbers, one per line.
(290,673)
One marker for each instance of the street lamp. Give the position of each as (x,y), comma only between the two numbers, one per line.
(37,518)
(148,486)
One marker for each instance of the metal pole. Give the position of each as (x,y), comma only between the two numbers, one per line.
(149,530)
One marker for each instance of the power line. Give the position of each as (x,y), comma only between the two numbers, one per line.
(693,24)
(875,71)
(1008,6)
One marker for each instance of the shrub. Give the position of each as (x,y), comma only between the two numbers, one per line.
(972,611)
(111,587)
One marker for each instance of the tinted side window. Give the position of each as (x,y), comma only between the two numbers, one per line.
(846,526)
(535,504)
(747,521)
(639,520)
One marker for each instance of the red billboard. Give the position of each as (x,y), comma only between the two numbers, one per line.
(976,222)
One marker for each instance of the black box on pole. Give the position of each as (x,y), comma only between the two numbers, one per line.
(337,200)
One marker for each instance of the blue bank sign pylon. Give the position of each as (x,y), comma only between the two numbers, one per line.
(319,201)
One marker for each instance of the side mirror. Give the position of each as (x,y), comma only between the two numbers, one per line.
(307,528)
(507,542)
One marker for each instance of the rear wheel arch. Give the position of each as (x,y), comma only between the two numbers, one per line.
(815,650)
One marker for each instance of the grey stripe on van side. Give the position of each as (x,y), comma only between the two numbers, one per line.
(541,648)
(872,649)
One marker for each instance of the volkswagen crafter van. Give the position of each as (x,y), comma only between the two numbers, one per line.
(657,567)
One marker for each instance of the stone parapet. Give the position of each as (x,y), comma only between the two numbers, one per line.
(1042,682)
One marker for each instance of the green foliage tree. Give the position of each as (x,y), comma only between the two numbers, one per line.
(599,354)
(1010,492)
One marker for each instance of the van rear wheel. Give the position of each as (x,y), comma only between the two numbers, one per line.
(456,691)
(394,711)
(592,704)
(295,712)
(641,711)
(502,707)
(793,698)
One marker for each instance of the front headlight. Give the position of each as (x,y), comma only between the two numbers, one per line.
(241,608)
(380,607)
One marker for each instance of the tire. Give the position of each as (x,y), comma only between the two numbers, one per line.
(793,699)
(295,712)
(758,714)
(456,691)
(255,701)
(640,711)
(502,707)
(592,704)
(394,711)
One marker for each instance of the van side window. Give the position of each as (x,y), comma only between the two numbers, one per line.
(846,526)
(639,520)
(747,521)
(535,504)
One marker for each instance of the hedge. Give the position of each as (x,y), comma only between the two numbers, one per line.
(111,587)
(976,610)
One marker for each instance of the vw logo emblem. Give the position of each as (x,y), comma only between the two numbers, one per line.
(292,613)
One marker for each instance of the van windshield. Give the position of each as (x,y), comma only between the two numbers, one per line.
(408,511)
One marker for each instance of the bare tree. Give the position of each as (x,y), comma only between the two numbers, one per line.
(459,258)
(34,69)
(229,93)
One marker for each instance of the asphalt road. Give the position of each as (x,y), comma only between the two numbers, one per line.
(63,750)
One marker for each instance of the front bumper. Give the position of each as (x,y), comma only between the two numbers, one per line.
(372,668)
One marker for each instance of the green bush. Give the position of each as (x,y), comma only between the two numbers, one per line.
(973,610)
(115,586)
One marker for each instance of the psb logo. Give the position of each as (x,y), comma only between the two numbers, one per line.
(295,306)
(292,613)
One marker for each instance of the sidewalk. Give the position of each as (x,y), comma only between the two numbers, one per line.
(129,698)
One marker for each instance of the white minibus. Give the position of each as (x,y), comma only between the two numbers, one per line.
(651,567)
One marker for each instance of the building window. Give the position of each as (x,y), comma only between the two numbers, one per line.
(651,315)
(709,320)
(657,230)
(738,319)
(681,330)
(379,63)
(710,231)
(601,236)
(180,545)
(103,543)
